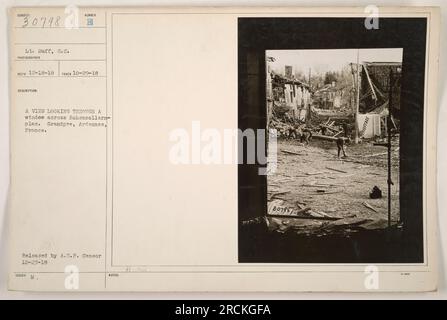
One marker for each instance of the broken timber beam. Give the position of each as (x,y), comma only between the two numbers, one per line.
(328,138)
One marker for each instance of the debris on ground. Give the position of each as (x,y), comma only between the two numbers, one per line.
(318,227)
(310,195)
(375,193)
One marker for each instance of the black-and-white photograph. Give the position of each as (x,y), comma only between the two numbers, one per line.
(336,115)
(336,118)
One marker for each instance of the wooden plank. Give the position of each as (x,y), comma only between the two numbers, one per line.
(291,152)
(338,170)
(366,204)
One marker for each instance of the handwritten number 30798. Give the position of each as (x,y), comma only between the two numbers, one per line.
(41,22)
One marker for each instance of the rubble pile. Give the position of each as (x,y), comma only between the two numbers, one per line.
(326,128)
(283,124)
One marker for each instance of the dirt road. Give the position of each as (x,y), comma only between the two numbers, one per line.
(312,176)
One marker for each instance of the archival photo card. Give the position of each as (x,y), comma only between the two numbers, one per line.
(294,151)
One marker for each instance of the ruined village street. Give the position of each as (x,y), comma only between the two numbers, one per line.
(311,176)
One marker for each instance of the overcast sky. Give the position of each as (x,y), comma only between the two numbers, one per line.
(328,60)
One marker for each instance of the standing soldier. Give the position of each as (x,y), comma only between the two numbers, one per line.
(341,146)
